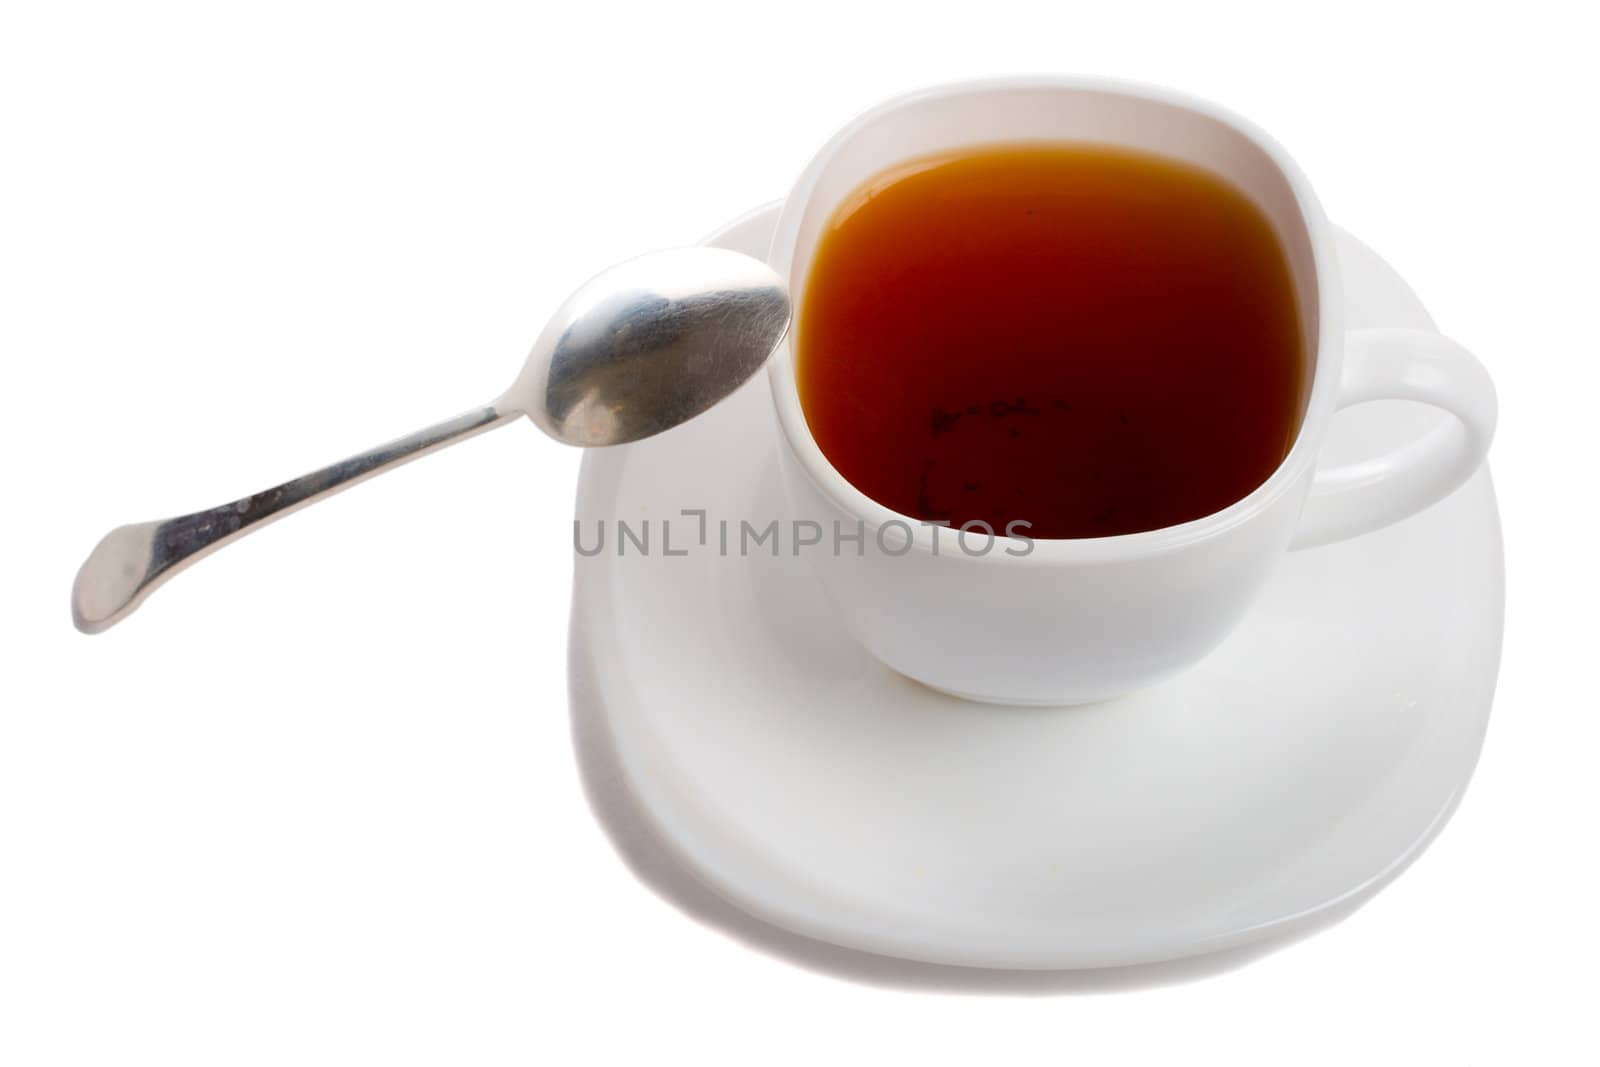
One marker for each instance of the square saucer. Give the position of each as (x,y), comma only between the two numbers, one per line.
(1286,778)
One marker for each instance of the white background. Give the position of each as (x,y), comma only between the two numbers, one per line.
(317,802)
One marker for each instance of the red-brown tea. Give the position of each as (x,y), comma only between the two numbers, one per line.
(1092,340)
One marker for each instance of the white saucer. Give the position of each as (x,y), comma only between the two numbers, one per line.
(1293,773)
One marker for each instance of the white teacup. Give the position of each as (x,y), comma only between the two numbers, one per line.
(1071,621)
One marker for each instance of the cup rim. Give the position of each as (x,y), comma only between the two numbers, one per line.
(1326,353)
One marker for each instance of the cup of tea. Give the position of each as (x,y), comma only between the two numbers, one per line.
(1064,354)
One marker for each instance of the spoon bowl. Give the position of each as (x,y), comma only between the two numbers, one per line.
(651,343)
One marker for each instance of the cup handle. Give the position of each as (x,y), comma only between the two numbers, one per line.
(1402,364)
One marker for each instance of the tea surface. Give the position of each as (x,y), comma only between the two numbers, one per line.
(1088,339)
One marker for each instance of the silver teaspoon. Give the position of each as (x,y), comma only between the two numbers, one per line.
(638,349)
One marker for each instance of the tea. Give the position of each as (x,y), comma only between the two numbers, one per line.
(1086,339)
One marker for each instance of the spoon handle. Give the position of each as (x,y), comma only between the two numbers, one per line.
(131,561)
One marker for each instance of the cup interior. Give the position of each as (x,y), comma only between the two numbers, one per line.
(1152,121)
